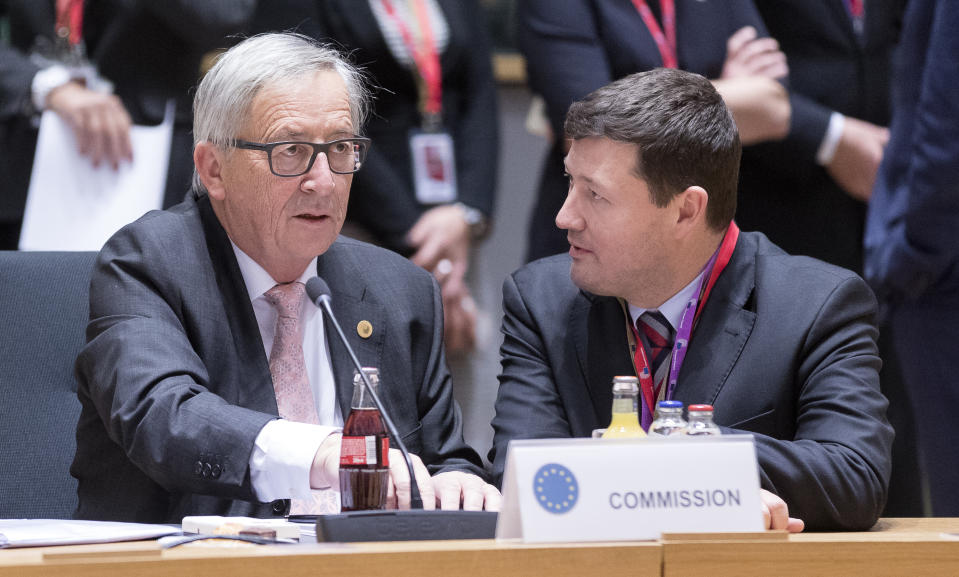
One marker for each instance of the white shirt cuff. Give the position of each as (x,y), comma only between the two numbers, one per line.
(830,140)
(45,81)
(282,457)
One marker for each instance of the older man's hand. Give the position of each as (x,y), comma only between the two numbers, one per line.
(454,489)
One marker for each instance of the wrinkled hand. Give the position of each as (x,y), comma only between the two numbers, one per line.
(398,494)
(776,513)
(857,157)
(747,55)
(99,122)
(442,239)
(325,471)
(454,489)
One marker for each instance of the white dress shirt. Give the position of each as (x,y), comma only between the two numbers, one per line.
(284,450)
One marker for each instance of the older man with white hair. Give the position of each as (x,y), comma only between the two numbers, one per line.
(209,383)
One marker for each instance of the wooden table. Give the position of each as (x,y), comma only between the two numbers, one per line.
(895,547)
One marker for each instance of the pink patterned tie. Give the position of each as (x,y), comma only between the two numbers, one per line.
(294,398)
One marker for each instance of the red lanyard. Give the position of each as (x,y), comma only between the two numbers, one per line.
(650,390)
(665,42)
(424,54)
(857,8)
(70,20)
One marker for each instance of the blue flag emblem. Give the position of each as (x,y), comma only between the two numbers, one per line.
(555,488)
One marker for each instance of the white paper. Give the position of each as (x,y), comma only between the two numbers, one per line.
(73,206)
(47,532)
(629,489)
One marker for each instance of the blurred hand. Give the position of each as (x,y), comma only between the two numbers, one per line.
(747,55)
(325,471)
(442,239)
(398,493)
(454,489)
(99,121)
(857,157)
(776,513)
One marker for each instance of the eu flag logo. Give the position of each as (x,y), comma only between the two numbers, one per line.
(555,488)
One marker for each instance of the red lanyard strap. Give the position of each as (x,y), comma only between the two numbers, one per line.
(424,54)
(70,20)
(665,37)
(714,267)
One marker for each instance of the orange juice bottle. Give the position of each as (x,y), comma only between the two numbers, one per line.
(625,421)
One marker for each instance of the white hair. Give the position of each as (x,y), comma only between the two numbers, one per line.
(226,93)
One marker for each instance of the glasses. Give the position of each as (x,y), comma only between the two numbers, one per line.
(345,156)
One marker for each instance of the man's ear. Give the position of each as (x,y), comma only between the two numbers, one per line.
(208,161)
(692,204)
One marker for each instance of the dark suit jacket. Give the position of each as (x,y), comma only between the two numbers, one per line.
(175,385)
(382,198)
(911,246)
(783,192)
(785,349)
(576,46)
(151,52)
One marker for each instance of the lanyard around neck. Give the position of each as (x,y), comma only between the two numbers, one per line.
(649,391)
(425,57)
(664,36)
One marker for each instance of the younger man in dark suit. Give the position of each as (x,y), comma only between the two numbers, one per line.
(201,335)
(784,347)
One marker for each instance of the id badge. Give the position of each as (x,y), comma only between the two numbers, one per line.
(434,167)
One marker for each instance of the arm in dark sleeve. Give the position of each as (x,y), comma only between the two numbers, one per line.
(441,421)
(921,248)
(202,23)
(151,390)
(383,202)
(565,59)
(476,133)
(16,80)
(528,405)
(834,473)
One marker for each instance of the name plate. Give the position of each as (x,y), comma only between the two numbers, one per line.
(629,489)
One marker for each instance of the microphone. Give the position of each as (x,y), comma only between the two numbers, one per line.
(319,293)
(412,525)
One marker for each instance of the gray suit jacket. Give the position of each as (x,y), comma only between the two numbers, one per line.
(785,349)
(175,385)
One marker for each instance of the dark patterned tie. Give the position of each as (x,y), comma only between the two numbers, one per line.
(657,336)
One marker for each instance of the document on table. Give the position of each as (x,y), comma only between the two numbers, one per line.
(46,532)
(71,205)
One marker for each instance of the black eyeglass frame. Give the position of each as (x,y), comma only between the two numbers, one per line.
(318,147)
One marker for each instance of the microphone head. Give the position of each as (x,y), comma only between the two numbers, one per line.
(317,289)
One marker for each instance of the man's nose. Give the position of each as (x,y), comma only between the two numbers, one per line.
(320,176)
(568,217)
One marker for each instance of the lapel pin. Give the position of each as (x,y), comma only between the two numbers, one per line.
(364,329)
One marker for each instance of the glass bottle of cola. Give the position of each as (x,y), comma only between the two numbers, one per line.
(364,453)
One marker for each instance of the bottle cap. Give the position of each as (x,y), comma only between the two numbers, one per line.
(695,408)
(628,384)
(670,404)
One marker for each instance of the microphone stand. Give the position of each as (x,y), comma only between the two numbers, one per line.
(379,525)
(416,501)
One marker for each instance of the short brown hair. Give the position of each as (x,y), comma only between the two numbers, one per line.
(685,134)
